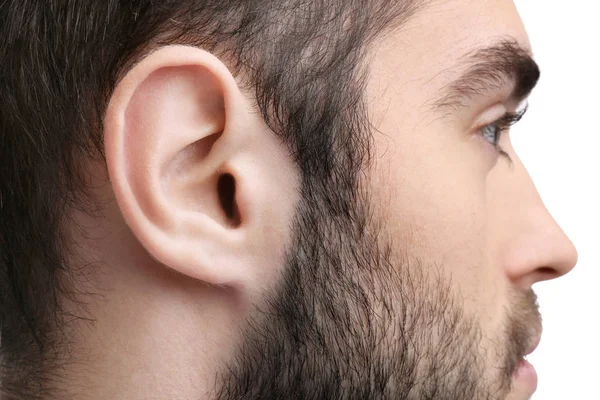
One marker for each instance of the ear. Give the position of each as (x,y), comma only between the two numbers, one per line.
(204,185)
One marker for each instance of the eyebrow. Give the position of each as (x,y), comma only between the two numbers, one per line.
(488,69)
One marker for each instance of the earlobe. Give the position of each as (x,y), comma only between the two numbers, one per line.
(170,138)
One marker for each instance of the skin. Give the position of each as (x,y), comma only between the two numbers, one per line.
(179,279)
(472,211)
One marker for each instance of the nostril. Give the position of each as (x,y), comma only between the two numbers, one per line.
(226,189)
(547,273)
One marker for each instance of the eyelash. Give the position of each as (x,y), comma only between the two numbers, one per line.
(501,126)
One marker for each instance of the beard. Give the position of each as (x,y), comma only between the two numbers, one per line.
(353,317)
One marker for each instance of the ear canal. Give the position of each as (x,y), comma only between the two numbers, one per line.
(227,198)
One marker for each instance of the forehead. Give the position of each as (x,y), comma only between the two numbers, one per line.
(426,52)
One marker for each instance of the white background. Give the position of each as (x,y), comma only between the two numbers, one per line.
(559,142)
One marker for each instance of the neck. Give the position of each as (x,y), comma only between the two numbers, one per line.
(147,345)
(155,334)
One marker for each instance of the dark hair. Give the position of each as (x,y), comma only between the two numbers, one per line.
(59,63)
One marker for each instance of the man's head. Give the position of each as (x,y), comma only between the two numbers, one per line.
(260,199)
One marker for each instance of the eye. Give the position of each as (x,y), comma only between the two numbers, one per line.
(492,133)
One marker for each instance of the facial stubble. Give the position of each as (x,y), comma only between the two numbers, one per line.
(354,318)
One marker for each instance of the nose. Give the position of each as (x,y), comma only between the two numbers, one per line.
(533,248)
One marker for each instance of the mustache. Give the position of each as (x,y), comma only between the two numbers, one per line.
(524,326)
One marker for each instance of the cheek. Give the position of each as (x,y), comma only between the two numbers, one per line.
(433,194)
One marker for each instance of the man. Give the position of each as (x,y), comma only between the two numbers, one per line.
(257,199)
